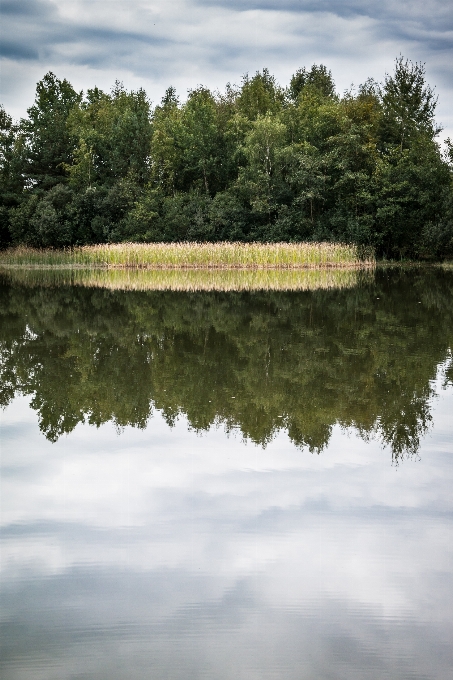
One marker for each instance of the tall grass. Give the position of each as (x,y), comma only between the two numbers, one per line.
(190,280)
(195,256)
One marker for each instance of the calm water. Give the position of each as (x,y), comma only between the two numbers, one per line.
(227,485)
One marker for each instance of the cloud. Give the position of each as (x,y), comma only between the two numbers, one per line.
(26,8)
(190,42)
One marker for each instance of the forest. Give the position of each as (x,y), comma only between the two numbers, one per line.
(258,162)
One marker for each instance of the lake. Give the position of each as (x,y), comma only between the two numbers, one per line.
(227,484)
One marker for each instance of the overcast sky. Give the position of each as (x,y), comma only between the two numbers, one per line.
(154,43)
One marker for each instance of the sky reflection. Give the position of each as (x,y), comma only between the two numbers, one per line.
(163,553)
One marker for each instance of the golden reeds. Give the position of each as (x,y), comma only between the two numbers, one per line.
(225,255)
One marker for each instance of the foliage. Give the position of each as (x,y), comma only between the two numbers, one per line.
(408,103)
(317,78)
(257,162)
(48,142)
(11,181)
(113,133)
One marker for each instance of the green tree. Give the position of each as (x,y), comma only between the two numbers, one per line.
(44,221)
(202,152)
(261,180)
(11,179)
(317,78)
(166,149)
(49,145)
(409,104)
(254,162)
(259,95)
(113,133)
(411,190)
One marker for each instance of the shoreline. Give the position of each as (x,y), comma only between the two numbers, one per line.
(182,268)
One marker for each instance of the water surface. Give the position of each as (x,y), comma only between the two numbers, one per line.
(227,484)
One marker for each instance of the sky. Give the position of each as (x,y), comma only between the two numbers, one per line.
(186,43)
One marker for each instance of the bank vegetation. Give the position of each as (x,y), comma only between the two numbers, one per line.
(226,255)
(258,162)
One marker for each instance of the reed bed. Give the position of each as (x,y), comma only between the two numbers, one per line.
(190,280)
(225,255)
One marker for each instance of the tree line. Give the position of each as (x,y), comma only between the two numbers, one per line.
(256,162)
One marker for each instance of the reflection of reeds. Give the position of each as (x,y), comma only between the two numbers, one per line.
(191,279)
(196,255)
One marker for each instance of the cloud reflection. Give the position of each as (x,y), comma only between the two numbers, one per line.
(164,552)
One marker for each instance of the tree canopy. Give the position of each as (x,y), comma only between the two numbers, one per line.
(257,162)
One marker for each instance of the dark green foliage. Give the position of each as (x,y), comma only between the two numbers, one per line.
(184,217)
(44,222)
(259,95)
(229,218)
(48,142)
(318,78)
(11,180)
(413,192)
(256,162)
(113,133)
(408,103)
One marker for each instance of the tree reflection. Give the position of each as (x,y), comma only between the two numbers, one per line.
(258,362)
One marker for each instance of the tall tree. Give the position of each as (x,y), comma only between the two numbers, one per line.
(11,179)
(113,133)
(259,95)
(165,151)
(49,145)
(409,103)
(201,152)
(261,181)
(317,78)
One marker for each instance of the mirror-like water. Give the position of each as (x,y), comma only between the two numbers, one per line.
(227,484)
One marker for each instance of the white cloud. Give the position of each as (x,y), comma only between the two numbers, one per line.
(186,43)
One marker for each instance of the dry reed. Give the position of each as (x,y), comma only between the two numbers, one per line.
(225,255)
